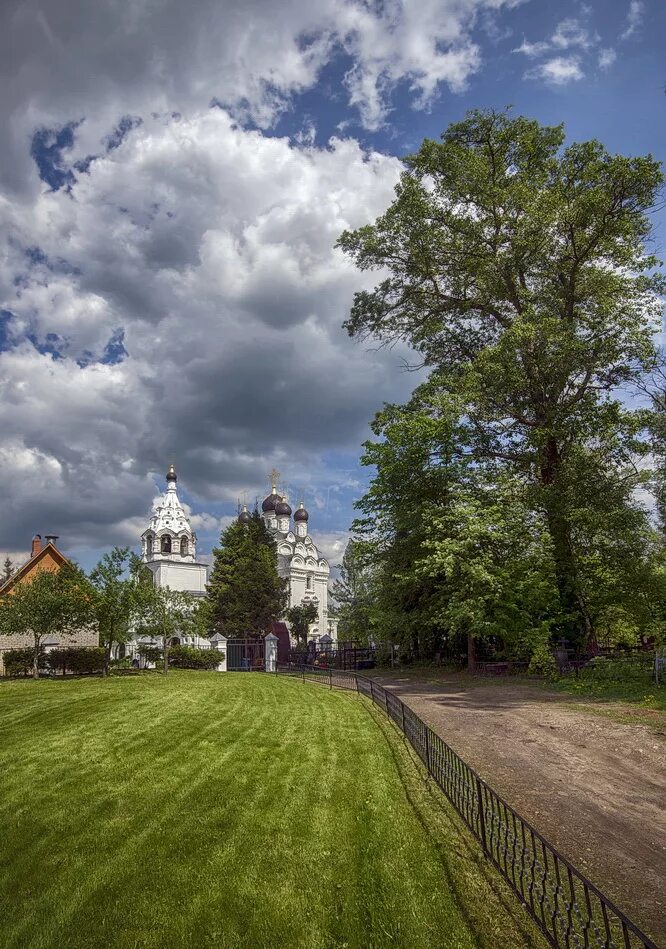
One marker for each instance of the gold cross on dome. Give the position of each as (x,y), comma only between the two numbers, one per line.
(274,477)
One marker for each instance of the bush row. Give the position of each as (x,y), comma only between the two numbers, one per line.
(184,657)
(90,659)
(19,662)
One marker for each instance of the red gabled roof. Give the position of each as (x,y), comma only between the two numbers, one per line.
(32,562)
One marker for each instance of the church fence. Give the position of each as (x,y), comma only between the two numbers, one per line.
(245,655)
(570,911)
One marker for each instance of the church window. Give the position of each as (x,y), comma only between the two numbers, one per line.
(149,546)
(184,547)
(308,582)
(166,544)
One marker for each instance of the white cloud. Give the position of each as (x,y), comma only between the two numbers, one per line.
(532,49)
(569,34)
(69,59)
(634,19)
(558,71)
(606,58)
(213,247)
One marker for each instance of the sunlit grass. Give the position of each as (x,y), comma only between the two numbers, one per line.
(231,811)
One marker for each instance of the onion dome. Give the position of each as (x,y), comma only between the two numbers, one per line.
(301,514)
(269,503)
(282,508)
(171,473)
(244,517)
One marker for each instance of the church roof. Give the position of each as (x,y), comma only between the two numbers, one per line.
(168,513)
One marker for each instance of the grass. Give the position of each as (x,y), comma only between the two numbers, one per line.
(228,811)
(622,680)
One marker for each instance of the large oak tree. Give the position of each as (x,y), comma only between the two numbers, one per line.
(520,270)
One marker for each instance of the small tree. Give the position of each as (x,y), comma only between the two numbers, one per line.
(353,593)
(53,604)
(245,593)
(7,569)
(300,618)
(120,592)
(165,613)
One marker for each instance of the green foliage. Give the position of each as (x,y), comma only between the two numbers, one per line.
(165,615)
(121,584)
(78,660)
(19,662)
(7,570)
(245,594)
(617,680)
(56,604)
(542,663)
(518,269)
(354,594)
(150,653)
(300,618)
(186,657)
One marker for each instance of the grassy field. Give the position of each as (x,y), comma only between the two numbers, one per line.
(622,680)
(229,811)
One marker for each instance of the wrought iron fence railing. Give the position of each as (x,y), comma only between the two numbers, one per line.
(570,911)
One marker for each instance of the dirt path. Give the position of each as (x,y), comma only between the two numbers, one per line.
(594,787)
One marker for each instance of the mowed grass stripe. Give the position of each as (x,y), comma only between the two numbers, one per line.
(214,810)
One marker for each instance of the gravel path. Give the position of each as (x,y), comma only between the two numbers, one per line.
(593,786)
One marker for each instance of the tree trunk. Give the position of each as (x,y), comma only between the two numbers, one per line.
(576,624)
(471,653)
(107,655)
(35,659)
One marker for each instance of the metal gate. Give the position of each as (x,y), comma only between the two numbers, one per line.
(245,655)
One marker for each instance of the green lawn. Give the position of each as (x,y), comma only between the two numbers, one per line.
(623,680)
(231,811)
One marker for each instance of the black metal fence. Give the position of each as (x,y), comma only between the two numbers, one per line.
(568,909)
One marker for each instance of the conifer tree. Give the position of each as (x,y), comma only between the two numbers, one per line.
(7,570)
(245,593)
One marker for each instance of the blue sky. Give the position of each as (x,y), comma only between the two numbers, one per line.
(171,186)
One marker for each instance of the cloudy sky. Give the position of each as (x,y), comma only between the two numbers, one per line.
(173,177)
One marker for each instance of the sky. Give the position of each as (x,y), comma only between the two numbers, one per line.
(173,179)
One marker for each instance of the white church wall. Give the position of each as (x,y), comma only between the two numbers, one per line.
(184,577)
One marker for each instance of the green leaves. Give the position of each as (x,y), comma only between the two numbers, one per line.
(245,593)
(519,269)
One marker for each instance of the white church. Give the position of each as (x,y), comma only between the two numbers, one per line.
(169,549)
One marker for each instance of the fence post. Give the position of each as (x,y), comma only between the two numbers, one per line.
(427,744)
(270,656)
(330,678)
(220,643)
(482,816)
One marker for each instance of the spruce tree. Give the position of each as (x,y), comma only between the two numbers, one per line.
(245,593)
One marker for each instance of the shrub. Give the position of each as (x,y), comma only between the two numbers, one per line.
(187,657)
(543,663)
(80,660)
(19,661)
(150,653)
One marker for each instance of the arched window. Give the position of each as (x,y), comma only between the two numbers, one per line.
(149,546)
(166,544)
(184,547)
(308,582)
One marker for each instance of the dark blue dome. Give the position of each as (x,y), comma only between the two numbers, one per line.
(282,508)
(269,503)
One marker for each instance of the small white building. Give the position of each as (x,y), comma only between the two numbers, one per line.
(299,560)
